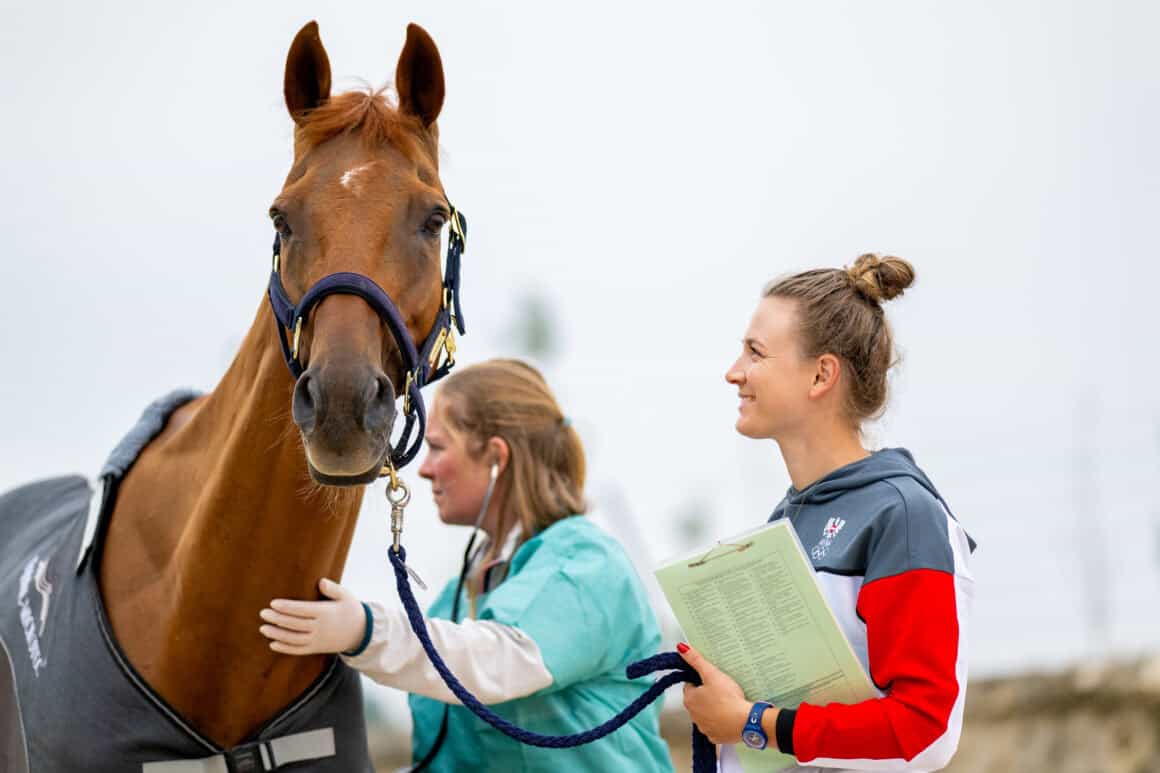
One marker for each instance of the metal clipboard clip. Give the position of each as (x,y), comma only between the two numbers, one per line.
(734,547)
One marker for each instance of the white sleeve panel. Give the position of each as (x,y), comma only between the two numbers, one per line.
(495,662)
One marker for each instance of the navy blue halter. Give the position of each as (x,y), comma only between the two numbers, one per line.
(422,366)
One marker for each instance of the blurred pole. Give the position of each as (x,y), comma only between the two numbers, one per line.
(1156,505)
(612,502)
(1091,549)
(611,510)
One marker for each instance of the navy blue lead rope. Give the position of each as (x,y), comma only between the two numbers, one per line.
(704,752)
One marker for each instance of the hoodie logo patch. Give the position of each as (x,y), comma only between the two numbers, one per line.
(833,526)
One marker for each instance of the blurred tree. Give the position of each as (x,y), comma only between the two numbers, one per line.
(691,521)
(534,329)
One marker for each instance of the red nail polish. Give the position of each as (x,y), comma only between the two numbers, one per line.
(682,647)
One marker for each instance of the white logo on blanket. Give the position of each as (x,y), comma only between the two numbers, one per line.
(35,574)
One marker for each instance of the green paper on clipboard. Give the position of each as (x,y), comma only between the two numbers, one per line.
(753,607)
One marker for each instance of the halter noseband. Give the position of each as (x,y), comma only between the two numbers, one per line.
(422,366)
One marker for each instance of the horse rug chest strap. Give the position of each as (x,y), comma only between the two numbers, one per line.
(256,757)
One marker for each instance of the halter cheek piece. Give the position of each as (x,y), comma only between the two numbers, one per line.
(431,363)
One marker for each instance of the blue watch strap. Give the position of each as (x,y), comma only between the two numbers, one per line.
(753,725)
(368,629)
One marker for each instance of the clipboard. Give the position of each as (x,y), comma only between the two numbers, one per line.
(727,547)
(753,606)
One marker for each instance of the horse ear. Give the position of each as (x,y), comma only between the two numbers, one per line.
(419,76)
(307,82)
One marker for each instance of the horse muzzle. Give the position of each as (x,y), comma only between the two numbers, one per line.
(345,414)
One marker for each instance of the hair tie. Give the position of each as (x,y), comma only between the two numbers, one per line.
(565,421)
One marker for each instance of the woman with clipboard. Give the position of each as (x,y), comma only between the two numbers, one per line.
(892,561)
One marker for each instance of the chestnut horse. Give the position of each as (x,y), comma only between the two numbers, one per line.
(251,492)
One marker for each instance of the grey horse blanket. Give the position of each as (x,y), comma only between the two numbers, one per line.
(70,701)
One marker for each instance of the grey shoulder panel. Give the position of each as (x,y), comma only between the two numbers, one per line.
(911,533)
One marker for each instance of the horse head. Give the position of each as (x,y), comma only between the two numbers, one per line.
(363,198)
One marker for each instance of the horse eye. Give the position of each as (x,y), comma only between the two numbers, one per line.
(435,223)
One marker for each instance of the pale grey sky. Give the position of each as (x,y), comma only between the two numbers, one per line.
(646,168)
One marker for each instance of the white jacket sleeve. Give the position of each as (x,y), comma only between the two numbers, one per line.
(495,662)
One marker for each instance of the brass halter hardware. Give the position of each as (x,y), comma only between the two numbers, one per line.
(297,335)
(457,226)
(398,496)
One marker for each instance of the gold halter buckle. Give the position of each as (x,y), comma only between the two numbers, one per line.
(407,396)
(457,226)
(389,471)
(297,335)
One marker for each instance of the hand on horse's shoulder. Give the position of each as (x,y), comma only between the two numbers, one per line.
(311,627)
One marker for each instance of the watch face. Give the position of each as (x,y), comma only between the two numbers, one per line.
(753,739)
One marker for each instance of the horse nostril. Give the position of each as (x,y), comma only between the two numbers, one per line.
(380,407)
(305,402)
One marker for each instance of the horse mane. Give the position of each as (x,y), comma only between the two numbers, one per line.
(369,114)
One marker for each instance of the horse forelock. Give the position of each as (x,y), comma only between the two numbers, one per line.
(369,115)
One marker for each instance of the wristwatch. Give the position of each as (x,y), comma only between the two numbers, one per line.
(754,735)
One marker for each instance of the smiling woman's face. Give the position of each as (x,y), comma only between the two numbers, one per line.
(772,377)
(458,478)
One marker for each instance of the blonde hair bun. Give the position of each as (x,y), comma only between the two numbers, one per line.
(880,277)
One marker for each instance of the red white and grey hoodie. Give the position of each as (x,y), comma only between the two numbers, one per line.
(894,565)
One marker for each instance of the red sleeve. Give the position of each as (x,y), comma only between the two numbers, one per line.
(912,631)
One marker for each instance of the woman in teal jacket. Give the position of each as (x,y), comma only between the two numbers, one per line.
(550,610)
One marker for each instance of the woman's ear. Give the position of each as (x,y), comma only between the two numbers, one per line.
(827,374)
(498,453)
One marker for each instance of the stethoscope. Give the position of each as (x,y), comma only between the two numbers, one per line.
(466,566)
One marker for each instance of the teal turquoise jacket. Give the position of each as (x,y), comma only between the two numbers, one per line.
(572,590)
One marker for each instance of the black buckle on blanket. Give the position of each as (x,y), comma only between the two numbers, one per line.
(248,758)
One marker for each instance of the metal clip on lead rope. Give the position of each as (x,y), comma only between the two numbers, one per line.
(398,502)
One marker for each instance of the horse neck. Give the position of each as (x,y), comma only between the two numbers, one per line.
(216,518)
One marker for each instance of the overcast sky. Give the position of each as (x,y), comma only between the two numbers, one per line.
(644,170)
